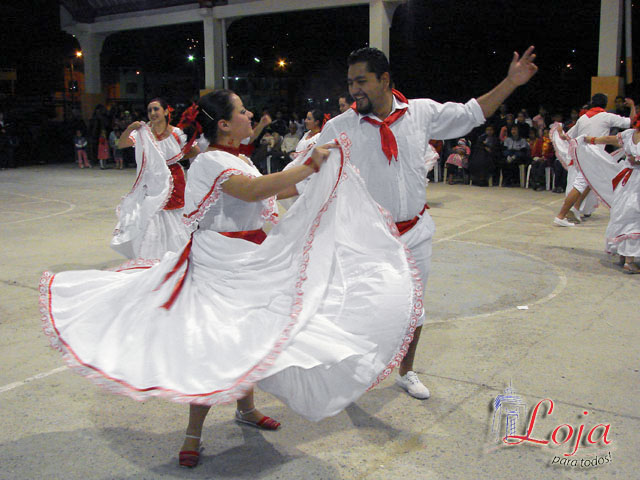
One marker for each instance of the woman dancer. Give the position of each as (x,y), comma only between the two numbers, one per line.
(150,215)
(313,123)
(311,314)
(623,232)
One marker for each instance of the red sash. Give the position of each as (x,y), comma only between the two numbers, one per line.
(176,200)
(255,236)
(623,176)
(407,225)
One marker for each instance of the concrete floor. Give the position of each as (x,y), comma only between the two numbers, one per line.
(495,253)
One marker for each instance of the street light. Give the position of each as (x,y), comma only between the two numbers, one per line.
(73,84)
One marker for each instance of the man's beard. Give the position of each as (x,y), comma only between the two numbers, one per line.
(368,108)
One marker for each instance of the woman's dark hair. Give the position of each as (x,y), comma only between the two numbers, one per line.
(212,108)
(318,116)
(165,106)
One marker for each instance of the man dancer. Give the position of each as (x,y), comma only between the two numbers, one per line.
(594,123)
(344,102)
(390,137)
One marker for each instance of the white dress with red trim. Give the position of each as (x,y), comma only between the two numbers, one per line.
(150,215)
(561,147)
(320,312)
(619,184)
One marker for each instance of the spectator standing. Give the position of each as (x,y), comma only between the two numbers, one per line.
(103,149)
(115,151)
(80,144)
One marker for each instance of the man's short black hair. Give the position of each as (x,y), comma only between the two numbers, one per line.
(599,100)
(375,59)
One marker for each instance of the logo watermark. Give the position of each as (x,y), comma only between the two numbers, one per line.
(509,410)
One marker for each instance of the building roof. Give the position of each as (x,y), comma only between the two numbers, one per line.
(86,11)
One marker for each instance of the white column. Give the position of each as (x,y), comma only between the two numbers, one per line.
(380,18)
(610,38)
(627,46)
(213,52)
(91,45)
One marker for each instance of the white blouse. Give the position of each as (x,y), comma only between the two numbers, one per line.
(208,207)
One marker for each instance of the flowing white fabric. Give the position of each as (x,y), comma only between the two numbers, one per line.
(318,313)
(623,231)
(597,166)
(561,147)
(144,229)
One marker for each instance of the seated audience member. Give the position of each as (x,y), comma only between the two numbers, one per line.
(458,159)
(522,124)
(484,157)
(536,144)
(540,120)
(515,153)
(506,128)
(290,140)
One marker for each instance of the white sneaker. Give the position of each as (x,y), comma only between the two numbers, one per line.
(413,386)
(563,222)
(576,213)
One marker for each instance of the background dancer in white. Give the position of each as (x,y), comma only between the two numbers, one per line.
(623,232)
(594,123)
(390,137)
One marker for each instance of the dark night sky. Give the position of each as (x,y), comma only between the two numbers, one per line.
(444,49)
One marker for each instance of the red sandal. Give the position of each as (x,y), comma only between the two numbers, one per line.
(265,423)
(190,458)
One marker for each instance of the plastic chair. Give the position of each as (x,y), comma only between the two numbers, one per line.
(522,175)
(526,185)
(550,178)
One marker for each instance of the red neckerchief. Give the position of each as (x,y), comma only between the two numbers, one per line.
(593,111)
(232,150)
(387,139)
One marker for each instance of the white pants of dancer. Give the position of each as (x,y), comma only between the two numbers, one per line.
(580,183)
(418,239)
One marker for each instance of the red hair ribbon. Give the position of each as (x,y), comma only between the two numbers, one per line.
(188,119)
(327,117)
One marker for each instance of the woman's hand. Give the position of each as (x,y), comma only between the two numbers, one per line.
(134,126)
(320,155)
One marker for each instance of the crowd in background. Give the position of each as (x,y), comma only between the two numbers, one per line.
(508,140)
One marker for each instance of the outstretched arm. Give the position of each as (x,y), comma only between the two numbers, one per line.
(259,188)
(629,103)
(607,140)
(262,124)
(520,71)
